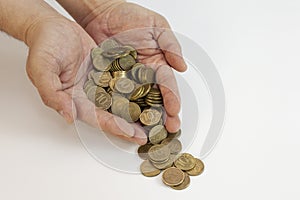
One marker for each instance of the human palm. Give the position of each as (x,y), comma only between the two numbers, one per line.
(56,64)
(157,46)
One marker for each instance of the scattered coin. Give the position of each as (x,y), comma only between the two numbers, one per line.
(185,162)
(174,145)
(143,151)
(198,169)
(159,153)
(184,184)
(148,169)
(173,176)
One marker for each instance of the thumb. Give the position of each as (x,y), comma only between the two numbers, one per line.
(47,81)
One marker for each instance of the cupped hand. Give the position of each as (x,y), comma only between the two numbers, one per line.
(157,46)
(57,50)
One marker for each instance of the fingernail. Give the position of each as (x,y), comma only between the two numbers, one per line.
(66,116)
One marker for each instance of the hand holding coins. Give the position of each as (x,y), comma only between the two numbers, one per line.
(126,88)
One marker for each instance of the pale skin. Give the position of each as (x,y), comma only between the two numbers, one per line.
(58,47)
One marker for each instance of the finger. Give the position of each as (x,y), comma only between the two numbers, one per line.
(172,50)
(172,124)
(50,88)
(107,122)
(166,80)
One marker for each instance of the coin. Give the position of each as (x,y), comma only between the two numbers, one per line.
(143,151)
(119,74)
(91,93)
(150,117)
(148,169)
(101,79)
(157,134)
(124,85)
(166,164)
(118,103)
(131,113)
(101,64)
(159,153)
(96,52)
(132,50)
(198,169)
(109,44)
(173,176)
(126,62)
(102,100)
(184,184)
(174,145)
(116,52)
(185,162)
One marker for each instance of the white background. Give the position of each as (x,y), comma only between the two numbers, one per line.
(255,46)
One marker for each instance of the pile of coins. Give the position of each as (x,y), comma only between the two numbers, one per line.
(121,85)
(163,153)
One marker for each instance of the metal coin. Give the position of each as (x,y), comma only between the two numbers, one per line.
(126,62)
(159,153)
(131,112)
(116,52)
(147,169)
(173,176)
(109,44)
(185,162)
(165,165)
(103,100)
(124,85)
(174,145)
(198,169)
(157,134)
(143,151)
(101,64)
(96,52)
(150,117)
(184,184)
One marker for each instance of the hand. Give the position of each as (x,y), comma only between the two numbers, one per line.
(57,49)
(156,45)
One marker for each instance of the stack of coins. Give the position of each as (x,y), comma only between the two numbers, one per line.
(121,85)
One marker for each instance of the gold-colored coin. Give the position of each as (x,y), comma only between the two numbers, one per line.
(184,184)
(102,99)
(198,169)
(124,85)
(101,79)
(166,164)
(126,62)
(159,153)
(157,134)
(150,117)
(174,145)
(143,151)
(119,74)
(131,113)
(173,176)
(148,169)
(185,162)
